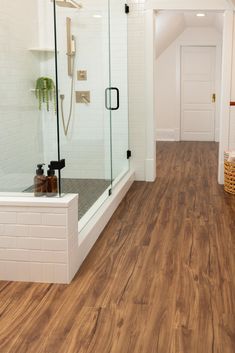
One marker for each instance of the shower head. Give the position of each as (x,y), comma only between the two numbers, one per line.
(68,3)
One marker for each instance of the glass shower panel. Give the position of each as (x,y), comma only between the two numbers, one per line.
(28,125)
(119,89)
(83,67)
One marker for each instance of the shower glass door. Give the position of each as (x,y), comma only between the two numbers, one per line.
(119,89)
(83,49)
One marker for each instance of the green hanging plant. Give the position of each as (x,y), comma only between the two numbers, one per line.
(45,92)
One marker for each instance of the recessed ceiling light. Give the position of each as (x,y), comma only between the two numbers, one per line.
(201,15)
(97,16)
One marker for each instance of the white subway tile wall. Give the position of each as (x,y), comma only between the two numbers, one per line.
(39,246)
(21,130)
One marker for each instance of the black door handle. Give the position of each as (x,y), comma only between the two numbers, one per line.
(108,92)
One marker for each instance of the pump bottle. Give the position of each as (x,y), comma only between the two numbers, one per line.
(40,181)
(52,184)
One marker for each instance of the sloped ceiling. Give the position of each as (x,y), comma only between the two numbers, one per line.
(169,25)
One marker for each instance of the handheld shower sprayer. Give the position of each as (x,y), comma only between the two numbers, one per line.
(71,46)
(71,55)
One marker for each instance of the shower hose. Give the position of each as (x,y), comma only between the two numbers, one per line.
(66,125)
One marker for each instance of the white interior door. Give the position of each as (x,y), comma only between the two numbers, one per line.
(197,90)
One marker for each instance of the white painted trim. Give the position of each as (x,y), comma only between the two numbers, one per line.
(217,135)
(218,87)
(150,168)
(90,233)
(218,5)
(150,159)
(167,135)
(226,89)
(178,88)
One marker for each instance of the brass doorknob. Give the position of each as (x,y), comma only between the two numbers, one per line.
(213,98)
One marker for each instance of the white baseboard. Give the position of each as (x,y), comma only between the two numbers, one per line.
(150,170)
(168,135)
(172,135)
(217,135)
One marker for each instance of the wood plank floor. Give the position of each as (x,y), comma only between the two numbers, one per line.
(161,278)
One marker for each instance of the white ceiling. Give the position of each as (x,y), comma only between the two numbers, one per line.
(210,20)
(170,24)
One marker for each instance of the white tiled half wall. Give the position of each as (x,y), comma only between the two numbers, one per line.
(39,239)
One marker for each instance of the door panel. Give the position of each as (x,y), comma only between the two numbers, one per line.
(119,93)
(196,92)
(193,119)
(197,89)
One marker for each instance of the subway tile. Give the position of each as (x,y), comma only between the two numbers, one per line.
(8,242)
(48,231)
(29,243)
(29,218)
(2,230)
(54,244)
(16,230)
(7,217)
(54,220)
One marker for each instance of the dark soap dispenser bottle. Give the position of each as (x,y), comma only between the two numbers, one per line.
(52,182)
(40,181)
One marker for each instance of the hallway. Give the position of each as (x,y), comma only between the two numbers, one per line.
(160,279)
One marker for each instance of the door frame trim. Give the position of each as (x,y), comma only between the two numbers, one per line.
(151,8)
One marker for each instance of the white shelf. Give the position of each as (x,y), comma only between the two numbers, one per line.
(43,50)
(33,90)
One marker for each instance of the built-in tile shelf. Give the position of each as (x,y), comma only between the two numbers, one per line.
(43,50)
(33,90)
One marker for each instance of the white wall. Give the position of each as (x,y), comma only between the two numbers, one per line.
(168,80)
(188,4)
(20,132)
(169,26)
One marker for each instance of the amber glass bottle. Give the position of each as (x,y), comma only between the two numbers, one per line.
(40,184)
(52,182)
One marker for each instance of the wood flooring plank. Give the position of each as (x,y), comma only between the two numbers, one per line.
(160,279)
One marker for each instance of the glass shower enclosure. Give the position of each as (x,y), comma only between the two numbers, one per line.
(64,97)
